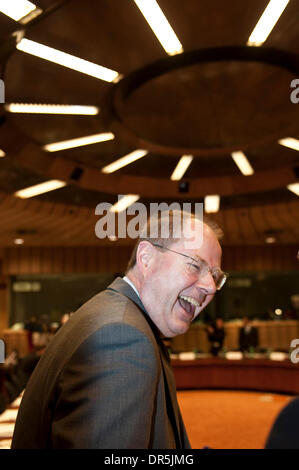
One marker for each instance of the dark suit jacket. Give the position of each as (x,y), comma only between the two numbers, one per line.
(104,381)
(248,340)
(284,432)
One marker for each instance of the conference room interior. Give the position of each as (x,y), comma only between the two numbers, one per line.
(203,116)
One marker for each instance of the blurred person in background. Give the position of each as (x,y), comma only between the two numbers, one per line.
(248,336)
(216,335)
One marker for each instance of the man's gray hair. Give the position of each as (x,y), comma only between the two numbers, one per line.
(168,227)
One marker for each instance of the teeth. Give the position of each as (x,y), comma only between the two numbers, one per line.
(190,300)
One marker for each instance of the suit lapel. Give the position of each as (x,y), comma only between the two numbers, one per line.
(124,288)
(170,387)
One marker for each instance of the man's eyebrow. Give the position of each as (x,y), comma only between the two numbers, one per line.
(197,258)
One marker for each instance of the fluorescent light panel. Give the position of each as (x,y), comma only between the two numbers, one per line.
(181,167)
(294,188)
(212,203)
(267,22)
(126,160)
(79,142)
(17,9)
(67,60)
(124,202)
(19,241)
(2,154)
(160,26)
(41,188)
(242,163)
(33,14)
(290,143)
(50,109)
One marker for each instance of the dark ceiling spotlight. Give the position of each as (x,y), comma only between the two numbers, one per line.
(26,231)
(76,173)
(271,235)
(184,187)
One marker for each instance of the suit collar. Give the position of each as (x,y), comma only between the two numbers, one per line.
(121,286)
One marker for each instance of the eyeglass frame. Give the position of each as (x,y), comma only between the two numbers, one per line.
(209,270)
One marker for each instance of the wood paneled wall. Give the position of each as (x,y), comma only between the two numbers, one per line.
(4,293)
(274,335)
(260,258)
(114,259)
(48,260)
(87,259)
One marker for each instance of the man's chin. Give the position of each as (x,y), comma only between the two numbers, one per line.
(180,327)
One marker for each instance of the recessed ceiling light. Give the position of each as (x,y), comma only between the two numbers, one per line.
(267,22)
(67,60)
(270,240)
(242,163)
(181,167)
(79,142)
(2,154)
(212,203)
(124,202)
(41,188)
(160,26)
(19,10)
(18,241)
(51,109)
(294,188)
(123,161)
(290,143)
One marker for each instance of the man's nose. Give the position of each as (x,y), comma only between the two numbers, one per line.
(207,282)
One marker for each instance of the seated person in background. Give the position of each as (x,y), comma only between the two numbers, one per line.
(216,336)
(14,375)
(33,326)
(248,336)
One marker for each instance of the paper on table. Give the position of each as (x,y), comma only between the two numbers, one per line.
(187,356)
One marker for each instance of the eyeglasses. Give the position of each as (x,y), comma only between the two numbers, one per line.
(201,268)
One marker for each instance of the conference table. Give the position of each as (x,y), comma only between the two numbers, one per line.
(281,376)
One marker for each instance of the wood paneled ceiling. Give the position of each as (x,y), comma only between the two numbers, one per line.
(47,223)
(208,108)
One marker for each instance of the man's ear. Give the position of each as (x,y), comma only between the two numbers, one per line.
(145,255)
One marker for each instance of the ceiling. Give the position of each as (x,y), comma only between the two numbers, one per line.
(219,96)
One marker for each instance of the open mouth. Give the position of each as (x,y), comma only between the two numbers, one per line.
(190,305)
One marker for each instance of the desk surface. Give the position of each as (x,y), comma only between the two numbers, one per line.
(245,374)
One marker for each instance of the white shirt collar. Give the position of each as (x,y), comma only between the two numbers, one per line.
(125,278)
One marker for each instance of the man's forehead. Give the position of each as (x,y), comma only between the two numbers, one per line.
(194,252)
(200,246)
(197,234)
